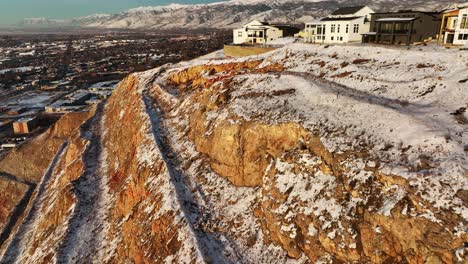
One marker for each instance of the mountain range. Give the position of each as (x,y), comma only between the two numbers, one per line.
(228,14)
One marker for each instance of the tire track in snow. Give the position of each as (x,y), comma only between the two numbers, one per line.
(209,248)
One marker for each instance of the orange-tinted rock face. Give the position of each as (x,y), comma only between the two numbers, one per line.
(29,163)
(53,199)
(10,195)
(172,169)
(323,215)
(143,231)
(242,152)
(203,76)
(39,152)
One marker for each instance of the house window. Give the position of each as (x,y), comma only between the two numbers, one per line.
(338,29)
(321,30)
(401,27)
(332,38)
(464,22)
(333,27)
(347,28)
(240,34)
(356,28)
(462,36)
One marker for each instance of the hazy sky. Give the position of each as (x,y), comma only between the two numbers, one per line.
(11,11)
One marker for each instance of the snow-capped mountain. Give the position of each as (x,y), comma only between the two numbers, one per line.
(230,14)
(43,22)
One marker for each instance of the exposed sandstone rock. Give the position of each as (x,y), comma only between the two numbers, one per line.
(140,235)
(11,193)
(39,152)
(223,163)
(245,151)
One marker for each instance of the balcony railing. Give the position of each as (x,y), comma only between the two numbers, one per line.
(401,31)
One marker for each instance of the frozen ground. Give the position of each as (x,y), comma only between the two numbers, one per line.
(405,108)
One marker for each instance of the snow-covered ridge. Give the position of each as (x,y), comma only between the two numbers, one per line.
(165,8)
(357,155)
(403,108)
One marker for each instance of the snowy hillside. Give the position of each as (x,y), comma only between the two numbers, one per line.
(233,13)
(306,154)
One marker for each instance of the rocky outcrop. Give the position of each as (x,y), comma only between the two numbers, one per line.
(23,168)
(134,172)
(313,202)
(10,195)
(39,152)
(288,157)
(51,206)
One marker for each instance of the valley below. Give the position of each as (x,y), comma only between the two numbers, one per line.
(305,154)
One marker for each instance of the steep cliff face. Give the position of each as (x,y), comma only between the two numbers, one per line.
(308,154)
(23,170)
(338,202)
(42,225)
(30,161)
(10,196)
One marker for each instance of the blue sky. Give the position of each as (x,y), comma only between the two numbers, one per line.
(11,11)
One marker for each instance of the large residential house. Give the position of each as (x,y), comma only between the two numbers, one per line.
(257,32)
(403,27)
(345,25)
(454,27)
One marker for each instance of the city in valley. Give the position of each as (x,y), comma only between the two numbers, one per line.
(45,75)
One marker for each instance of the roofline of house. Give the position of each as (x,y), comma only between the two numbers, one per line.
(409,11)
(361,7)
(325,19)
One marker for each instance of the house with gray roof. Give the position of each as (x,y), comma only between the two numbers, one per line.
(344,25)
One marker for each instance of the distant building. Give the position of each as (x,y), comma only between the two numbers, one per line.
(17,111)
(345,25)
(24,125)
(257,32)
(72,102)
(8,145)
(454,26)
(49,87)
(79,97)
(403,27)
(61,107)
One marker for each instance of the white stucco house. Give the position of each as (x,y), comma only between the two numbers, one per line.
(345,25)
(461,27)
(257,32)
(454,26)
